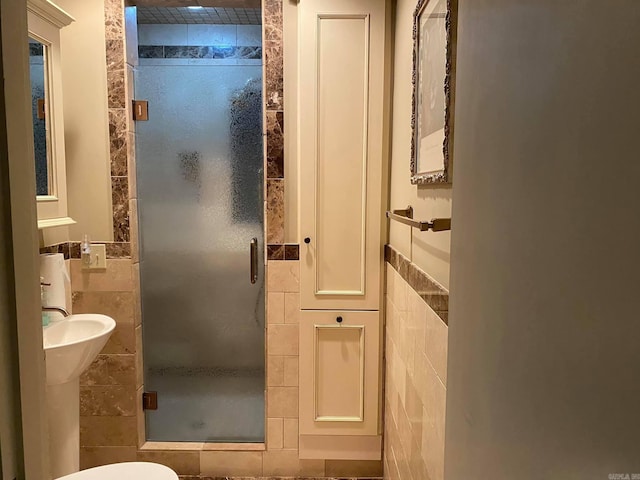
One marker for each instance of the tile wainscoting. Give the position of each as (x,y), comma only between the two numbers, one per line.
(416,335)
(433,294)
(112,421)
(110,388)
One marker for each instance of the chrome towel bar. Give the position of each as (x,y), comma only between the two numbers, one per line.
(406,216)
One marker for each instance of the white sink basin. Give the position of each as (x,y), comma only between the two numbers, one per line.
(70,345)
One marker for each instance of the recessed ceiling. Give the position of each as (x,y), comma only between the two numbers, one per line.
(201,3)
(205,15)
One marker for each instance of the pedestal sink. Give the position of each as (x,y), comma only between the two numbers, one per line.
(70,345)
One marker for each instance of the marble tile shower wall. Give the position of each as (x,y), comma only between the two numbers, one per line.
(275,112)
(200,44)
(416,374)
(119,94)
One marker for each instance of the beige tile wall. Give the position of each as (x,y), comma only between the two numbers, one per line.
(415,385)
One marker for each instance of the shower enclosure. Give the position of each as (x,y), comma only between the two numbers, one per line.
(200,183)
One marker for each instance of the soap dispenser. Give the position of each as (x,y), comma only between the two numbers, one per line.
(85,251)
(43,302)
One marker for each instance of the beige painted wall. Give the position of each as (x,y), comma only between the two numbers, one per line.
(543,342)
(21,198)
(86,121)
(430,251)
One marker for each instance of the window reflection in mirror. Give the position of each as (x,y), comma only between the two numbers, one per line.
(38,69)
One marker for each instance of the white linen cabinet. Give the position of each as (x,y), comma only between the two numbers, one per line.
(343,147)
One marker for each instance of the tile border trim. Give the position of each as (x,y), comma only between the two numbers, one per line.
(71,250)
(288,251)
(249,52)
(434,294)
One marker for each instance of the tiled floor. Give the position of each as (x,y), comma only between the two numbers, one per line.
(275,478)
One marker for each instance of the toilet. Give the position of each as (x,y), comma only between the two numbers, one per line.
(125,471)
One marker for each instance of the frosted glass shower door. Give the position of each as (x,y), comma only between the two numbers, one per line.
(200,183)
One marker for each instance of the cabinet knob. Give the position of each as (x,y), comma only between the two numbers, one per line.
(339,319)
(307,240)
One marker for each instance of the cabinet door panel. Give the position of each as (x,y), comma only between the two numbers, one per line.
(339,373)
(341,146)
(342,155)
(339,362)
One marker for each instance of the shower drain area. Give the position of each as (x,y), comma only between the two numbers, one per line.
(207,405)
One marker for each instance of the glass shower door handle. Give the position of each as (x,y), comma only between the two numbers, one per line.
(254,260)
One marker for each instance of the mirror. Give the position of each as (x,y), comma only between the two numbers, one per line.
(45,20)
(433,80)
(38,70)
